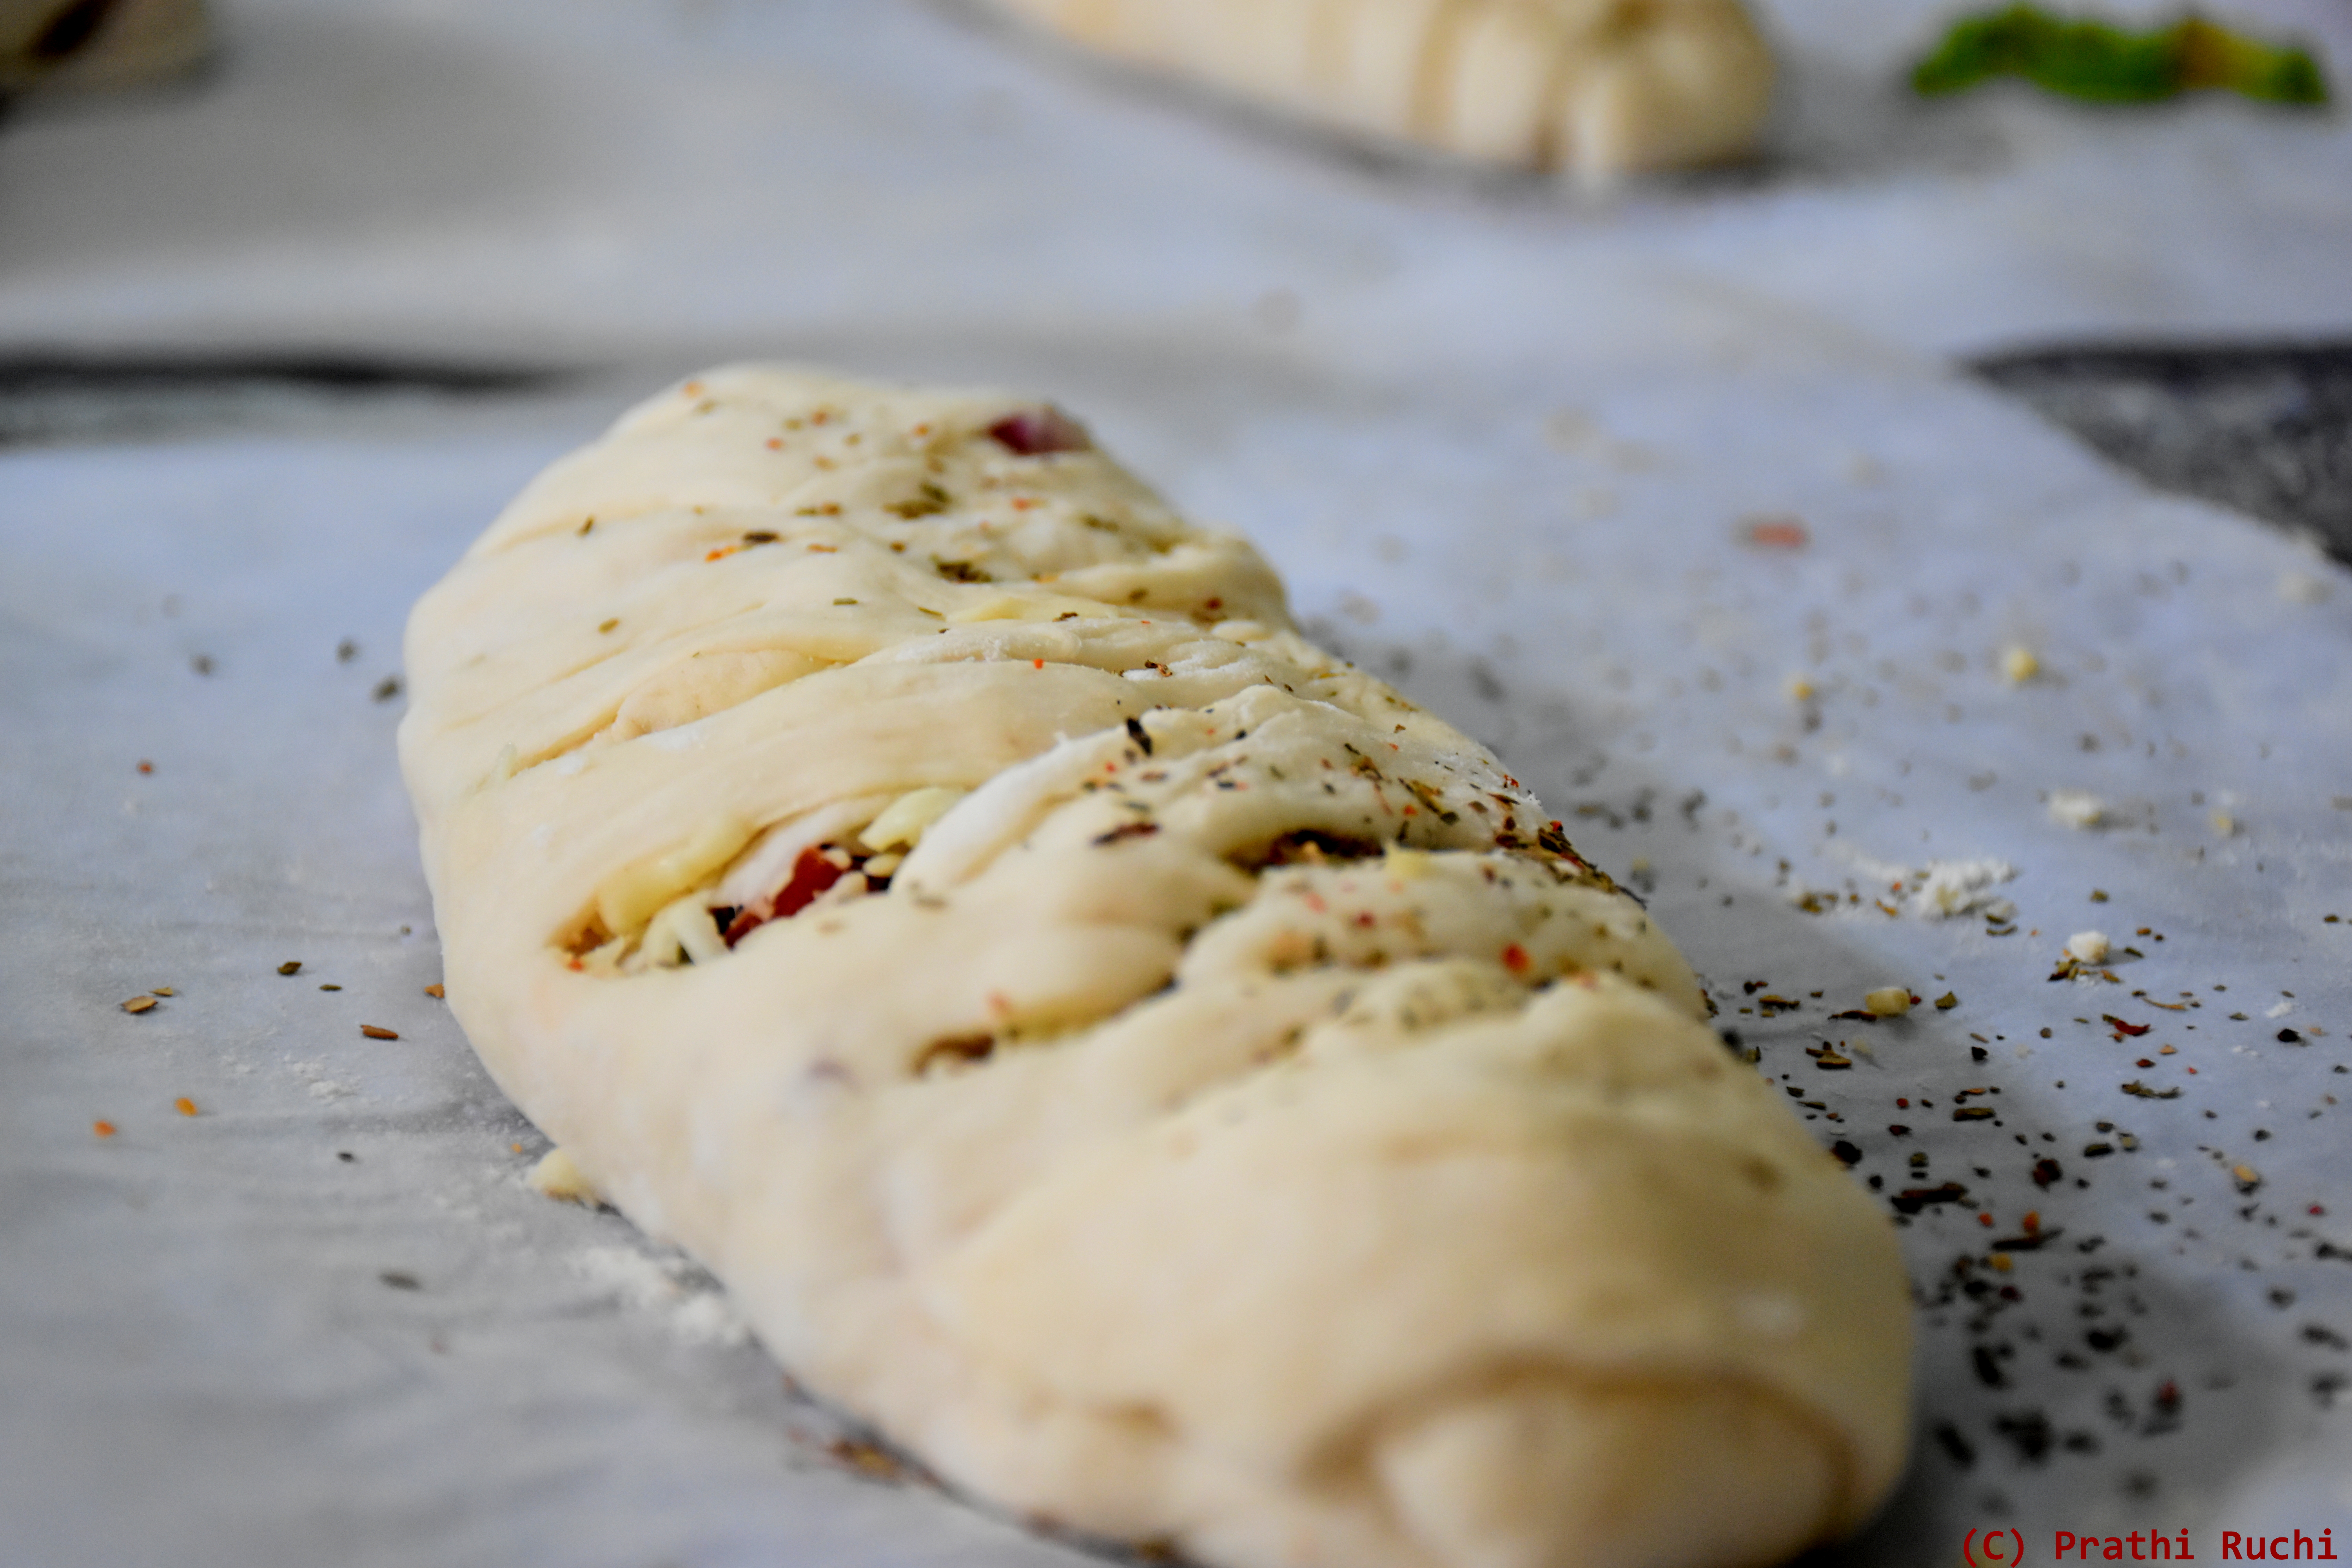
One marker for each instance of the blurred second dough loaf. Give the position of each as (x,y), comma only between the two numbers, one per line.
(1596,88)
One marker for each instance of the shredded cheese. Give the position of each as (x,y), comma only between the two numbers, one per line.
(684,931)
(632,895)
(905,819)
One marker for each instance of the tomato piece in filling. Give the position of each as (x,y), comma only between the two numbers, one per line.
(813,873)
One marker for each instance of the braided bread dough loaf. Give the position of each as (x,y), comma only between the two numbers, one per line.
(1145,1065)
(1600,88)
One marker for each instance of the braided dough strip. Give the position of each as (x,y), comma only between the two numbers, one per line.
(1599,89)
(1143,1064)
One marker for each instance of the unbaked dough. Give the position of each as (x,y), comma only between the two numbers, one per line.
(1599,89)
(1143,1065)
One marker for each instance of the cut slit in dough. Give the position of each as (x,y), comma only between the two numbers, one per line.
(1596,88)
(1216,1109)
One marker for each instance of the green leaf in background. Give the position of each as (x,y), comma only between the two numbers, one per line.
(2106,64)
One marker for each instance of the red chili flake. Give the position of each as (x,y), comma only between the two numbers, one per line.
(2123,1028)
(184,1106)
(1985,1220)
(1515,959)
(1782,532)
(574,964)
(1036,664)
(1036,432)
(775,443)
(103,1128)
(146,767)
(722,553)
(375,1032)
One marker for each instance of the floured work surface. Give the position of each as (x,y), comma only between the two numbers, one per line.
(407,1352)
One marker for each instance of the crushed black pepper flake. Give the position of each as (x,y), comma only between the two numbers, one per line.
(1911,1200)
(2029,1433)
(1956,1448)
(2034,1242)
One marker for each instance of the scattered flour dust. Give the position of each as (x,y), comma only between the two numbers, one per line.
(689,1300)
(322,1087)
(1938,890)
(1945,889)
(2077,808)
